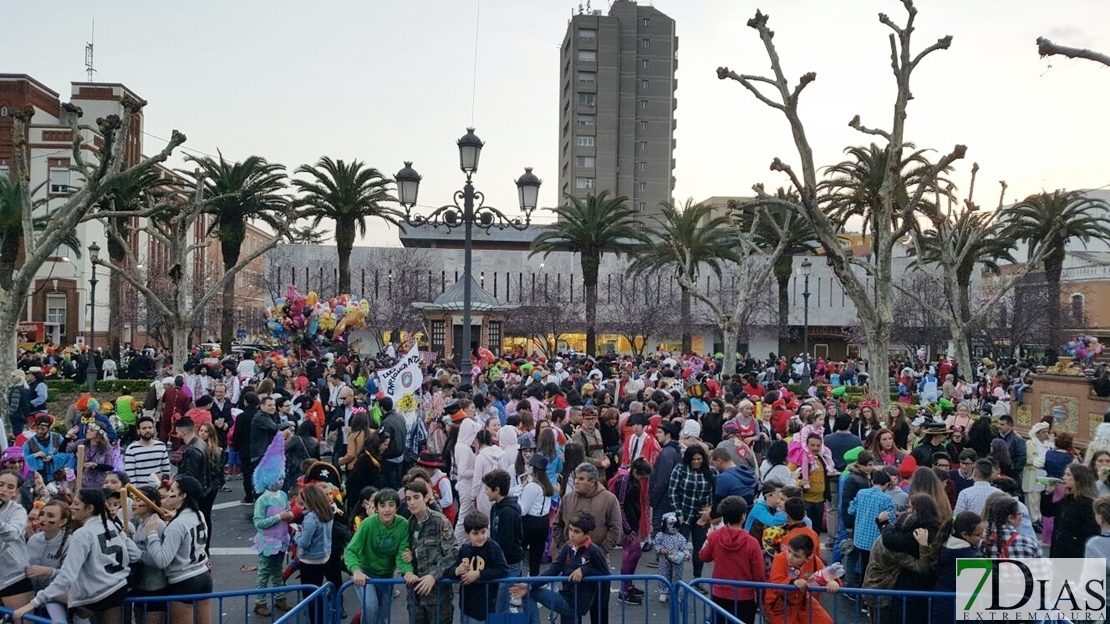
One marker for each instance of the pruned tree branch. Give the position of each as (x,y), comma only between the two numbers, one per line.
(855,123)
(1046,47)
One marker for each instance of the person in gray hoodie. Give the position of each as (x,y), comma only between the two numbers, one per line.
(46,550)
(15,588)
(94,572)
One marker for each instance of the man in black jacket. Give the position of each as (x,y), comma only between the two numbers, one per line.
(506,527)
(394,456)
(264,426)
(196,464)
(241,440)
(659,487)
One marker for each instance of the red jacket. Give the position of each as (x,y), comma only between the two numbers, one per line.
(738,558)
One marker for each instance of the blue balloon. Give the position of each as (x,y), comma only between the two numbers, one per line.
(339,311)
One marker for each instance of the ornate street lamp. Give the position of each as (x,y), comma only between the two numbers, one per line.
(92,373)
(804,271)
(467,211)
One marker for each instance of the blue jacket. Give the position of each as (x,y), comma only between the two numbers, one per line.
(736,481)
(314,539)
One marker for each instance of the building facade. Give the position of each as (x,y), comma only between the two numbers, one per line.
(58,307)
(617,104)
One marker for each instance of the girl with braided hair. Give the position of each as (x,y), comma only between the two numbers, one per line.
(1002,539)
(93,577)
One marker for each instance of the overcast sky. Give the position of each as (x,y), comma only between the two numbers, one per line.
(390,81)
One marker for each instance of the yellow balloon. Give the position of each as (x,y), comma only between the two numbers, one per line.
(312,298)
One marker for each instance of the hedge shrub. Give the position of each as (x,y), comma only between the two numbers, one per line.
(63,385)
(124,386)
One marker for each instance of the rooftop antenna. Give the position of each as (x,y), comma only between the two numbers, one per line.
(581,9)
(89,53)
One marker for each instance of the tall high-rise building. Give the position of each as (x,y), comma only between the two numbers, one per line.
(617,104)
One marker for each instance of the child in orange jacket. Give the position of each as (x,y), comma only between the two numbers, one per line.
(798,565)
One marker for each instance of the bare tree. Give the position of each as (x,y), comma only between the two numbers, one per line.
(1017,321)
(174,231)
(405,274)
(79,206)
(892,216)
(140,313)
(918,326)
(546,318)
(640,308)
(1046,47)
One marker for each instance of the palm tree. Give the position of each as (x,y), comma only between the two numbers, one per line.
(348,194)
(243,191)
(976,239)
(801,239)
(853,187)
(11,227)
(691,233)
(592,227)
(130,193)
(1053,220)
(307,235)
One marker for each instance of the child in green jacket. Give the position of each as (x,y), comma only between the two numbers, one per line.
(375,552)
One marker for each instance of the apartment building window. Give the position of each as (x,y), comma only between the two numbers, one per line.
(584,183)
(439,335)
(643,63)
(587,56)
(645,44)
(641,166)
(643,125)
(641,206)
(59,180)
(585,120)
(643,146)
(587,34)
(644,85)
(647,21)
(56,309)
(641,186)
(587,78)
(4,172)
(584,142)
(587,99)
(585,161)
(643,104)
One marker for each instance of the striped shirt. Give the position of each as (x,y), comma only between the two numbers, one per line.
(141,461)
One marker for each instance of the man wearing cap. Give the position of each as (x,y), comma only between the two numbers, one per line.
(43,451)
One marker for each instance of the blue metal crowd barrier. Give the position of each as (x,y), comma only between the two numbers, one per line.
(651,584)
(225,602)
(849,604)
(34,619)
(316,608)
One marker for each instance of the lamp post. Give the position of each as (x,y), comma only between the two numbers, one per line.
(804,271)
(94,257)
(467,211)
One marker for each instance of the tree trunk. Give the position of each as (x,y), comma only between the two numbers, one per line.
(730,329)
(227,312)
(878,365)
(180,332)
(344,242)
(11,309)
(1053,267)
(784,309)
(590,265)
(687,336)
(115,320)
(962,346)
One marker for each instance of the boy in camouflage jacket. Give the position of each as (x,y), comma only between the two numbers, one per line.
(433,551)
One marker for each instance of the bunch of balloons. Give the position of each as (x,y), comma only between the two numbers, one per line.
(296,316)
(1085,348)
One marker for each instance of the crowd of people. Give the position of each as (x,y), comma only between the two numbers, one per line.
(525,467)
